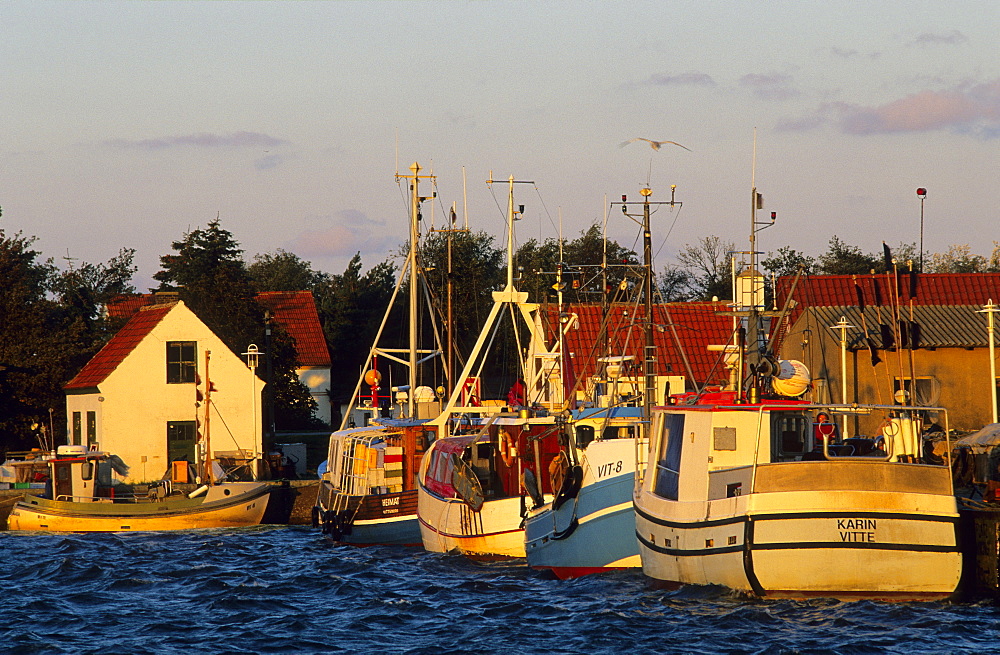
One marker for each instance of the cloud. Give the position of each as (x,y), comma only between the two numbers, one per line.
(681,79)
(951,38)
(201,140)
(851,54)
(965,108)
(347,232)
(769,87)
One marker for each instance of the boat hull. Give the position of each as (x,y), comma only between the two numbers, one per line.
(593,532)
(228,505)
(804,544)
(373,519)
(449,525)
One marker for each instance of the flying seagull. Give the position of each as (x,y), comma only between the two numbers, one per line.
(654,144)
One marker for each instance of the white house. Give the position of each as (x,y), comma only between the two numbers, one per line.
(143,396)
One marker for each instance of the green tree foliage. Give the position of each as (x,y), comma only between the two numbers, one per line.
(710,267)
(478,268)
(210,276)
(961,259)
(351,306)
(844,259)
(788,261)
(51,323)
(284,271)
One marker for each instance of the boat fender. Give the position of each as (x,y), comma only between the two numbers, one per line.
(199,491)
(508,451)
(328,521)
(570,487)
(558,468)
(344,522)
(315,516)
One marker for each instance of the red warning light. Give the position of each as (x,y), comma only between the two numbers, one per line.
(922,192)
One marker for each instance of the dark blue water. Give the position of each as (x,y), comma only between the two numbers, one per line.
(288,590)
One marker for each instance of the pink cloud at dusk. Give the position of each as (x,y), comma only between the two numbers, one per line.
(964,108)
(351,232)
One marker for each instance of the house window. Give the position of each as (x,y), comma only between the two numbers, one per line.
(91,428)
(928,391)
(181,364)
(181,437)
(77,429)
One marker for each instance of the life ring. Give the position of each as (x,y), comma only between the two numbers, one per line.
(508,449)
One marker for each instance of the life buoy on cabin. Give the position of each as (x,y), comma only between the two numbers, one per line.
(508,448)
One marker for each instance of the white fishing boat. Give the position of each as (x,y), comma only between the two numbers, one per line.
(749,487)
(367,494)
(494,459)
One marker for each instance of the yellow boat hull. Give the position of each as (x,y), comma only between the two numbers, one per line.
(227,505)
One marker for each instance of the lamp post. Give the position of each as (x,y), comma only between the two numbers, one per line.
(922,194)
(990,309)
(842,327)
(253,359)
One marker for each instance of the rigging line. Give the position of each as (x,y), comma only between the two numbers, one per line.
(666,237)
(215,406)
(547,213)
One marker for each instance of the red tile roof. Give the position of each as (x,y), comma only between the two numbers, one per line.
(296,312)
(119,347)
(931,289)
(684,332)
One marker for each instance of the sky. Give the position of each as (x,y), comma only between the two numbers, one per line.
(128,124)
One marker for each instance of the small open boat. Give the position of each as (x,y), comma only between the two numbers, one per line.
(81,499)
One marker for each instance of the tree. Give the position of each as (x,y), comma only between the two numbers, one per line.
(788,261)
(284,271)
(958,259)
(211,278)
(351,306)
(34,358)
(844,259)
(710,267)
(477,270)
(674,284)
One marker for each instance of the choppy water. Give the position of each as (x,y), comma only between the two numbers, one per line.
(288,590)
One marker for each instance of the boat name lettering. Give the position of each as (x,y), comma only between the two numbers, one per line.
(390,511)
(857,530)
(609,468)
(389,502)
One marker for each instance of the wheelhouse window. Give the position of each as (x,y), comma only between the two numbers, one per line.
(77,428)
(668,461)
(181,361)
(789,436)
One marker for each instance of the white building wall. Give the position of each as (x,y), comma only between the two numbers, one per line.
(137,401)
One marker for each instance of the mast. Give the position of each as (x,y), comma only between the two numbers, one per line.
(412,351)
(209,473)
(649,358)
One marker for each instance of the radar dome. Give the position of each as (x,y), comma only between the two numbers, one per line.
(792,378)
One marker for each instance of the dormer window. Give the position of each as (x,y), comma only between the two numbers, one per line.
(181,361)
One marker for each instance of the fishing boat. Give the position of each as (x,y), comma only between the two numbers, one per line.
(367,494)
(81,498)
(494,459)
(752,488)
(593,529)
